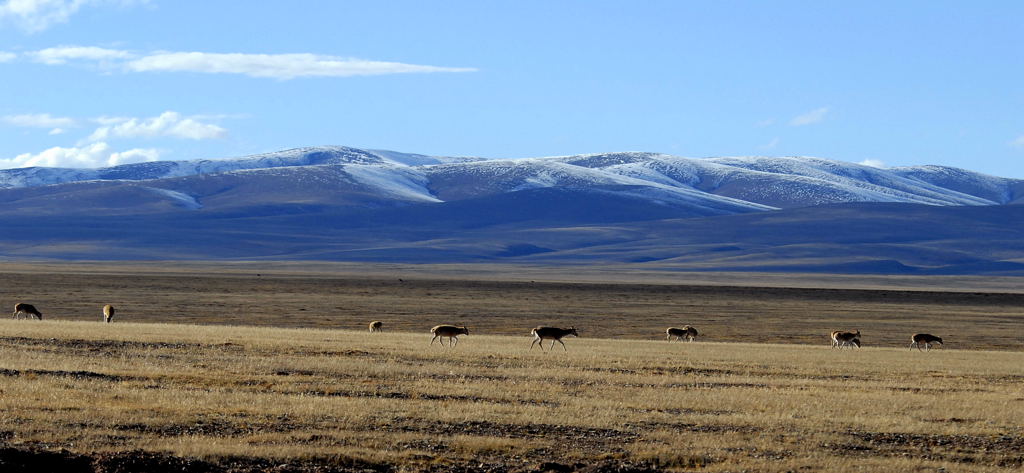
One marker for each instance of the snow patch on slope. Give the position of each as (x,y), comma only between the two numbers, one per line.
(865,183)
(410,159)
(180,199)
(493,177)
(401,182)
(996,189)
(37,176)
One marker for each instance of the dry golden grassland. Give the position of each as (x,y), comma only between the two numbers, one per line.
(232,398)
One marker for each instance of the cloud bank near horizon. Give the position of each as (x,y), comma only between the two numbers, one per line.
(96,150)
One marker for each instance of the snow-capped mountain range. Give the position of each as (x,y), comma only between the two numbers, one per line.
(656,210)
(706,186)
(311,156)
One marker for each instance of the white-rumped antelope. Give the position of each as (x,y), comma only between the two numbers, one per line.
(450,331)
(108,313)
(554,334)
(925,339)
(27,310)
(686,332)
(376,326)
(841,339)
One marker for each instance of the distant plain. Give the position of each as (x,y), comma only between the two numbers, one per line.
(970,312)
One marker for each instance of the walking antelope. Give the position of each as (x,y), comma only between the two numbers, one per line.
(925,339)
(27,310)
(450,331)
(841,339)
(375,326)
(687,332)
(554,334)
(108,313)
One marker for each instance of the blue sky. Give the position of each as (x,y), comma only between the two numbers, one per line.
(99,82)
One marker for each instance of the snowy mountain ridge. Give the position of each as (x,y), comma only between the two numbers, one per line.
(724,184)
(308,156)
(655,210)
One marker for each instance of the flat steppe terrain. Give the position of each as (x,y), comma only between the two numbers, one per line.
(214,368)
(968,312)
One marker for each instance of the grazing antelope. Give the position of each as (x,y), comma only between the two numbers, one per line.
(554,334)
(687,332)
(375,326)
(450,331)
(841,339)
(108,313)
(28,310)
(925,339)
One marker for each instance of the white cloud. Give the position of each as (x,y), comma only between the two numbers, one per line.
(135,155)
(7,57)
(277,66)
(875,163)
(170,124)
(63,54)
(810,118)
(89,156)
(95,151)
(1018,143)
(764,123)
(38,15)
(38,120)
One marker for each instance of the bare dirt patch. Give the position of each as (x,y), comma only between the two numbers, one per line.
(1000,450)
(65,374)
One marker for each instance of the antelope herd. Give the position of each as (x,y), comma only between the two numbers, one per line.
(840,339)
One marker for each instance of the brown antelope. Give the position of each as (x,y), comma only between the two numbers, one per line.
(450,331)
(925,339)
(375,326)
(108,313)
(841,339)
(27,310)
(554,334)
(687,332)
